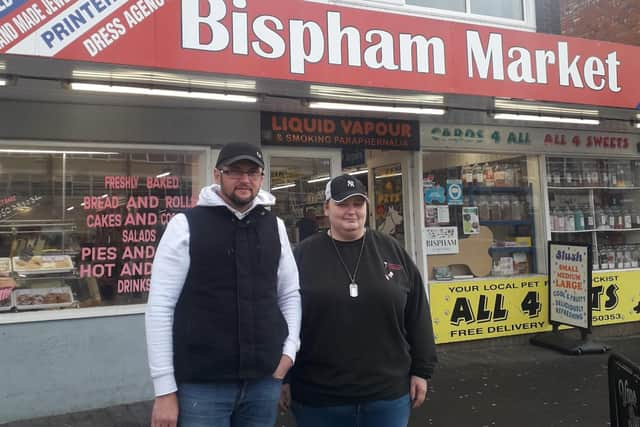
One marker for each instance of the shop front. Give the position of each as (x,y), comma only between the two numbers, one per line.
(494,196)
(304,151)
(109,130)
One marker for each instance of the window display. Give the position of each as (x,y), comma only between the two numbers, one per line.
(79,229)
(487,203)
(597,201)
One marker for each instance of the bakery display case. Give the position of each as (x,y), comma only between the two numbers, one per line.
(597,201)
(38,265)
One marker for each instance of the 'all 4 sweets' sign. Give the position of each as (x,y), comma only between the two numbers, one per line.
(309,41)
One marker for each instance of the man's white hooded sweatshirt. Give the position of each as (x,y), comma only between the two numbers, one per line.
(170,268)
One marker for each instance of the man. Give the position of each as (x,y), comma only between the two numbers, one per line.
(223,318)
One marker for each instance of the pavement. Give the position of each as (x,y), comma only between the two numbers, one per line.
(506,384)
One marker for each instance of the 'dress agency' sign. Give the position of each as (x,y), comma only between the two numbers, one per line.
(309,41)
(326,131)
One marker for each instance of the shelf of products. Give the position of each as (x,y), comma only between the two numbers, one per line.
(36,269)
(497,198)
(597,202)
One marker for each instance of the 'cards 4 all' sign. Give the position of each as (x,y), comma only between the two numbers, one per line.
(309,41)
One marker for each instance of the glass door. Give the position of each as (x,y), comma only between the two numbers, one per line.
(297,178)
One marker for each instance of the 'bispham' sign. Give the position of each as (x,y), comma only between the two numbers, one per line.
(306,41)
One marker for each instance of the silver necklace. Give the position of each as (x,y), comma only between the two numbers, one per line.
(353,286)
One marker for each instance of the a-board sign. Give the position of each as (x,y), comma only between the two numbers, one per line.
(624,391)
(570,284)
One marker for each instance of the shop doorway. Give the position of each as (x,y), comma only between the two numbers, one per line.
(297,178)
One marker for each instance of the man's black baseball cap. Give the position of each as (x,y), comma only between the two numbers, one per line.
(342,187)
(237,151)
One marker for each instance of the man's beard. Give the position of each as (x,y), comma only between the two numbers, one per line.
(241,203)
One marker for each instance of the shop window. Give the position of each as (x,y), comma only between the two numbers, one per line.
(479,215)
(597,202)
(508,9)
(516,14)
(457,5)
(299,187)
(80,229)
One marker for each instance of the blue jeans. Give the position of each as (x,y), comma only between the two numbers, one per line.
(251,403)
(377,413)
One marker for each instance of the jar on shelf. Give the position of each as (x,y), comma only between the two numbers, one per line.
(487,172)
(483,208)
(516,209)
(495,209)
(499,175)
(505,208)
(467,175)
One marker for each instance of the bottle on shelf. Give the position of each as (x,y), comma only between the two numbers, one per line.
(604,174)
(601,218)
(578,218)
(635,168)
(487,172)
(604,258)
(560,220)
(635,256)
(589,220)
(617,211)
(619,257)
(611,218)
(596,261)
(635,218)
(613,176)
(509,175)
(570,220)
(621,175)
(556,174)
(626,213)
(569,176)
(626,256)
(499,175)
(478,174)
(611,257)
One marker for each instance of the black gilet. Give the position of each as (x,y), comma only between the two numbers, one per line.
(227,323)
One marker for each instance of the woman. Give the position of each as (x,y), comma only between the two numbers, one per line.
(367,339)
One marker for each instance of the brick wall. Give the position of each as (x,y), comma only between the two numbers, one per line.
(609,20)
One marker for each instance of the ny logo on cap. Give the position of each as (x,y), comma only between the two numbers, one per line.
(258,154)
(351,184)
